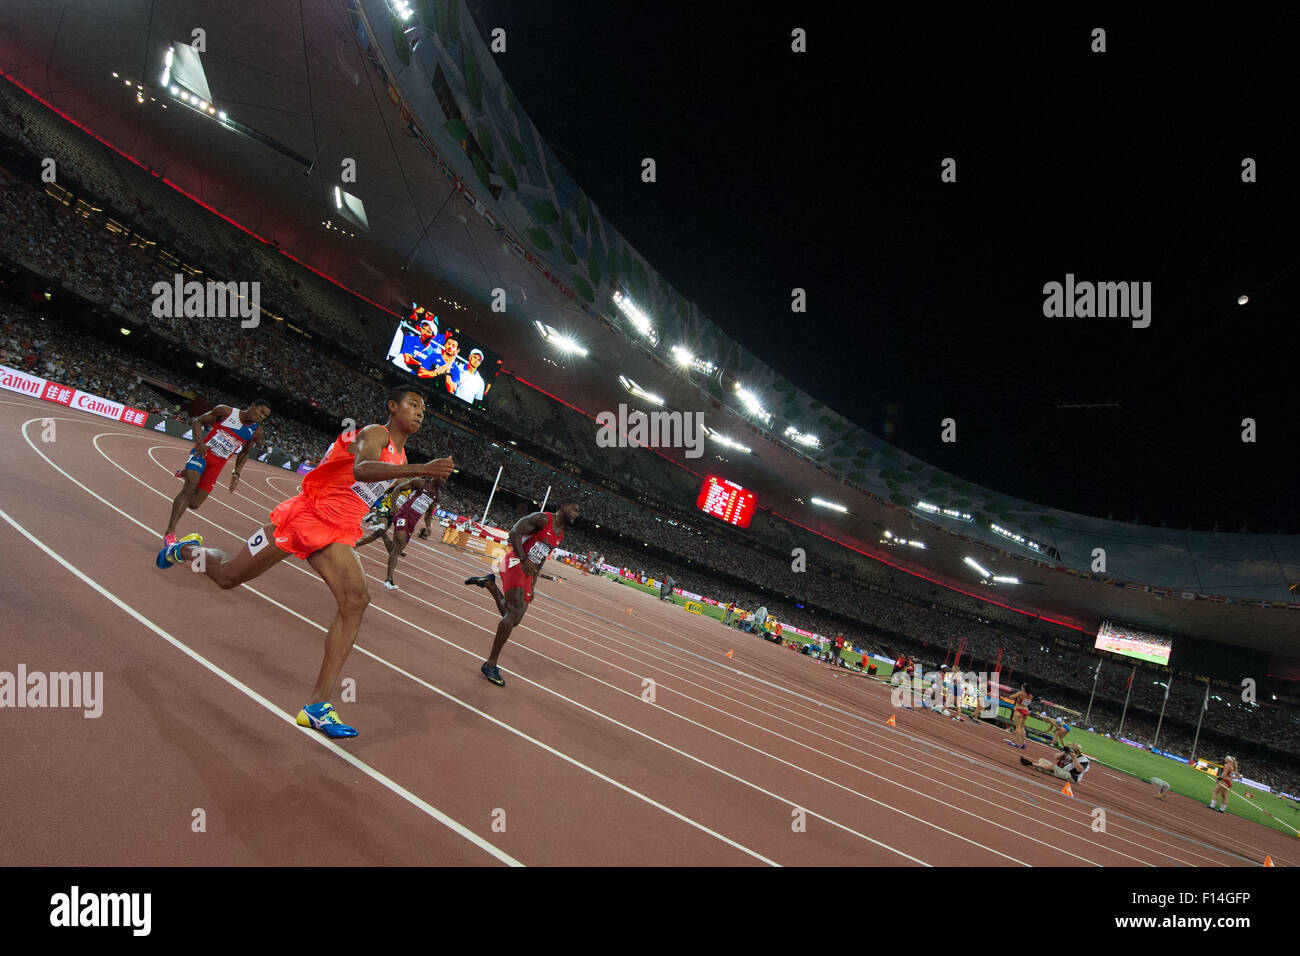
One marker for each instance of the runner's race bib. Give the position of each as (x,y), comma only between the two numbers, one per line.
(538,552)
(421,504)
(223,445)
(370,491)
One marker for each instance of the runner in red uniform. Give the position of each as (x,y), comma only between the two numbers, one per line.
(533,536)
(229,431)
(321,525)
(421,500)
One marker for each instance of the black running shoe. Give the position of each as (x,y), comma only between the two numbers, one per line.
(493,673)
(482,581)
(1026,761)
(424,532)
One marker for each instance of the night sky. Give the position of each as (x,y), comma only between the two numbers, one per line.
(822,171)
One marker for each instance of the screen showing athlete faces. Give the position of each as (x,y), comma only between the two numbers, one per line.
(443,358)
(726,501)
(1130,642)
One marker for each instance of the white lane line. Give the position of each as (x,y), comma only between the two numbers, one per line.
(257,698)
(426,553)
(590,770)
(568,700)
(558,611)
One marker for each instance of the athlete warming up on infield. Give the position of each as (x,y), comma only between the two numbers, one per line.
(1221,787)
(533,537)
(229,431)
(321,525)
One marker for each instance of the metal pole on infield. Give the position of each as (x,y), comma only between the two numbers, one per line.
(1092,695)
(1156,742)
(492,495)
(1205,705)
(1124,713)
(545,498)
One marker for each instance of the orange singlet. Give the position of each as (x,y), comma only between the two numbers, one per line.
(332,502)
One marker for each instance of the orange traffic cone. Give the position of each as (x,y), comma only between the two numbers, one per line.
(1268,861)
(730,652)
(890,721)
(1067,791)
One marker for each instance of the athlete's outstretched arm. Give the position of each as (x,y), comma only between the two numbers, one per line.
(240,459)
(367,448)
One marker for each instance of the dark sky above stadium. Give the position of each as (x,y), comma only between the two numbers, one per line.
(822,171)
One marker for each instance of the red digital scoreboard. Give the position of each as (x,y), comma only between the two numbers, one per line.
(726,501)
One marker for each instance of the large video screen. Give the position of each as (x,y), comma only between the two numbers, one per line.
(1130,642)
(443,358)
(727,501)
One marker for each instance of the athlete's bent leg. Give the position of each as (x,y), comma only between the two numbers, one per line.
(340,567)
(182,500)
(511,614)
(498,597)
(258,556)
(395,550)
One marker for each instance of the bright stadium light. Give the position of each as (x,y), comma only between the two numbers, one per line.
(564,343)
(640,321)
(682,355)
(726,441)
(1017,538)
(976,565)
(752,404)
(946,512)
(829,504)
(638,391)
(803,438)
(1003,579)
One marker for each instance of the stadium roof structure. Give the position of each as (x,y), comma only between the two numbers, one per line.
(463,196)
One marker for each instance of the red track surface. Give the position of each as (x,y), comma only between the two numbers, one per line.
(201,686)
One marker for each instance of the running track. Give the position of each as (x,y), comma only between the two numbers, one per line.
(567,765)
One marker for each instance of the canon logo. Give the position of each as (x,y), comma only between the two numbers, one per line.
(18,382)
(99,406)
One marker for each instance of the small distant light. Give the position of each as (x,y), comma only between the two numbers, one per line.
(115,76)
(203,104)
(1242,299)
(127,82)
(222,115)
(212,111)
(185,95)
(125,331)
(175,90)
(198,364)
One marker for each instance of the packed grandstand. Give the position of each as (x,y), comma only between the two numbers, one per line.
(80,257)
